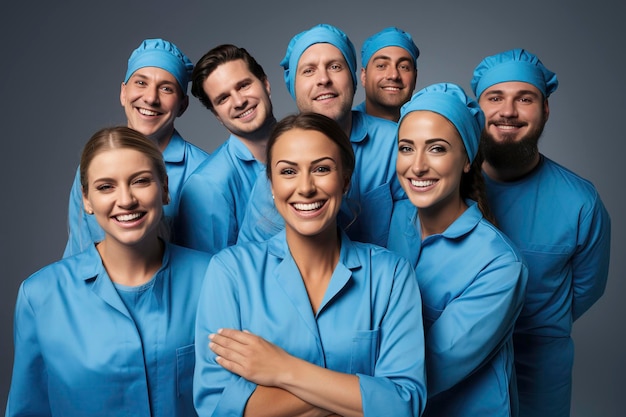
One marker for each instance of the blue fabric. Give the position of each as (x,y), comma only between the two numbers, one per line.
(369,323)
(321,33)
(450,101)
(390,36)
(563,230)
(472,281)
(162,54)
(513,65)
(373,189)
(181,159)
(360,107)
(213,200)
(78,351)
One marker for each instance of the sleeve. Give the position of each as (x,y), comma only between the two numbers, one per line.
(473,326)
(205,220)
(590,264)
(399,380)
(83,228)
(28,395)
(217,391)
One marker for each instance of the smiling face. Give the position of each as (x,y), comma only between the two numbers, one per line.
(308,182)
(241,102)
(431,161)
(125,194)
(152,100)
(323,83)
(389,80)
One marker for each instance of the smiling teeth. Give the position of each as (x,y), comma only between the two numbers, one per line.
(128,217)
(147,112)
(424,183)
(244,114)
(325,96)
(308,207)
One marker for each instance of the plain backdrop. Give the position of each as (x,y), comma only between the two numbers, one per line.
(63,62)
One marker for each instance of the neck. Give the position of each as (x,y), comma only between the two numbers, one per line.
(131,265)
(162,139)
(345,123)
(510,174)
(435,220)
(388,113)
(256,142)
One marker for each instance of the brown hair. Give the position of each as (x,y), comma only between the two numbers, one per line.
(120,137)
(319,123)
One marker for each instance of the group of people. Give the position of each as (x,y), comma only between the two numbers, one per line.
(411,255)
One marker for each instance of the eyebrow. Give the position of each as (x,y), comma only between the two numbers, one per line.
(134,175)
(316,161)
(516,93)
(428,141)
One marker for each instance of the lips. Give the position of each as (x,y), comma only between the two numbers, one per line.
(422,183)
(246,113)
(308,206)
(147,112)
(126,218)
(325,96)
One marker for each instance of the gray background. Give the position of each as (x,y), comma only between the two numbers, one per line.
(62,65)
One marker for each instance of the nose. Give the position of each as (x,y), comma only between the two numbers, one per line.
(151,95)
(420,163)
(239,99)
(306,185)
(508,108)
(322,77)
(392,73)
(126,199)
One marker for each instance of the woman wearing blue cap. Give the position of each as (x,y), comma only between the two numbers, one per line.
(471,278)
(309,322)
(110,331)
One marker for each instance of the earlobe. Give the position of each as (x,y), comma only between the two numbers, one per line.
(363,77)
(123,94)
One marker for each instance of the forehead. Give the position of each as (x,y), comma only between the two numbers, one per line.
(155,73)
(303,145)
(512,88)
(320,52)
(424,124)
(394,53)
(225,75)
(111,162)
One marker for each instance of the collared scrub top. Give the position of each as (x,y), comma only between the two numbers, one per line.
(472,281)
(369,323)
(563,230)
(213,200)
(78,351)
(366,209)
(181,159)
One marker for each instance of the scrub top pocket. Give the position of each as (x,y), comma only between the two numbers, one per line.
(364,352)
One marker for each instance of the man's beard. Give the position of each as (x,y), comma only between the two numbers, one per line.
(508,153)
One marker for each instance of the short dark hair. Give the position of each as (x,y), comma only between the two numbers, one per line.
(214,58)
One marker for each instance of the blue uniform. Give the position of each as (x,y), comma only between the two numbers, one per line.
(214,199)
(369,323)
(181,159)
(472,282)
(366,209)
(563,230)
(360,107)
(79,351)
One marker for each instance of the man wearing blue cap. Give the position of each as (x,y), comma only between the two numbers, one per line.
(153,94)
(554,217)
(388,73)
(320,74)
(213,201)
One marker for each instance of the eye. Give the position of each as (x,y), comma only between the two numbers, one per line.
(287,171)
(380,66)
(142,181)
(140,83)
(404,149)
(438,149)
(168,89)
(335,67)
(404,67)
(104,187)
(307,71)
(321,169)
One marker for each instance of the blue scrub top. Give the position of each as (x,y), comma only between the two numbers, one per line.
(369,323)
(472,281)
(563,230)
(181,159)
(213,200)
(78,351)
(366,209)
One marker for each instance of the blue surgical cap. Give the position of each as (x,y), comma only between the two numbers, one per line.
(514,65)
(390,36)
(450,101)
(321,33)
(161,54)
